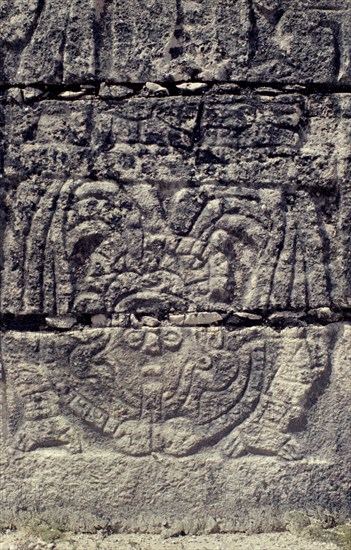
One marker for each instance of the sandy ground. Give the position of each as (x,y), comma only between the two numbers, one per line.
(22,540)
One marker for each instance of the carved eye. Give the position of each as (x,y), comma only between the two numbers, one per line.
(171,339)
(134,338)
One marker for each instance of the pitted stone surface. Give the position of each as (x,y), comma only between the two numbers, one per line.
(175,268)
(164,390)
(110,248)
(172,40)
(174,424)
(252,138)
(171,205)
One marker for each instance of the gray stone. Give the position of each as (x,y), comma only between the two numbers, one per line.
(172,263)
(70,94)
(32,93)
(156,89)
(99,320)
(246,316)
(114,91)
(204,318)
(192,87)
(61,322)
(217,417)
(268,238)
(120,320)
(7,546)
(175,265)
(150,321)
(278,40)
(16,95)
(177,320)
(286,141)
(296,522)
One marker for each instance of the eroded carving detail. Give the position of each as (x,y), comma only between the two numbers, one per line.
(168,390)
(32,407)
(54,42)
(94,247)
(275,23)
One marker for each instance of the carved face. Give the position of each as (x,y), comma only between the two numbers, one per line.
(153,342)
(140,373)
(157,368)
(167,388)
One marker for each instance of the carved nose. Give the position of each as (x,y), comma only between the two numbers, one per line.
(151,344)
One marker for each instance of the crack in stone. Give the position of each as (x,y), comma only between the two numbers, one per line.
(277,320)
(55,92)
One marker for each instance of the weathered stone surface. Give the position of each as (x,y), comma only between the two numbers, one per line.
(93,247)
(118,41)
(97,251)
(241,419)
(168,205)
(252,139)
(175,265)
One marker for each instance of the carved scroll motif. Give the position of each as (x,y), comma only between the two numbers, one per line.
(92,247)
(166,390)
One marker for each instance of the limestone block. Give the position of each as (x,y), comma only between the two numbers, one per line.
(247,137)
(175,205)
(125,405)
(97,247)
(251,138)
(175,263)
(71,42)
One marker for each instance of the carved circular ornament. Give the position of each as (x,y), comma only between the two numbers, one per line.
(164,389)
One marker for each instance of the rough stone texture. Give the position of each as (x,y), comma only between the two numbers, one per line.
(142,428)
(24,538)
(170,390)
(50,41)
(175,268)
(222,203)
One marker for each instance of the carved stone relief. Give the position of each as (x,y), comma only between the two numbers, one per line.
(175,267)
(165,389)
(51,42)
(173,204)
(93,247)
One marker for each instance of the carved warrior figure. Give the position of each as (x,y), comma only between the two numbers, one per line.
(92,247)
(178,390)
